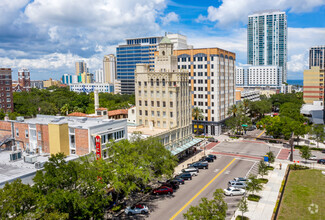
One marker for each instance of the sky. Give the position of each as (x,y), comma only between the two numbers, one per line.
(49,36)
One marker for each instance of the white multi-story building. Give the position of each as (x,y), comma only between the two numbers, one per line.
(91,87)
(99,76)
(259,76)
(267,39)
(179,41)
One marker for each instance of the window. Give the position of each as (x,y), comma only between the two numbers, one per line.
(39,135)
(145,83)
(164,124)
(158,104)
(139,102)
(171,114)
(171,104)
(158,123)
(164,114)
(152,113)
(17,132)
(164,104)
(140,112)
(145,103)
(26,133)
(158,113)
(139,83)
(152,103)
(146,113)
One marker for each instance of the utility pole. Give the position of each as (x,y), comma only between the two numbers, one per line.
(291,145)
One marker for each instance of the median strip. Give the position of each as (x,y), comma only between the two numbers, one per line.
(191,200)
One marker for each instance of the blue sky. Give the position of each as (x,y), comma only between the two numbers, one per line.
(48,36)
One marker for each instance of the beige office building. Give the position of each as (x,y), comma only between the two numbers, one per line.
(109,67)
(313,85)
(163,101)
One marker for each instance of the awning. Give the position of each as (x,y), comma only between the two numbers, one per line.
(186,146)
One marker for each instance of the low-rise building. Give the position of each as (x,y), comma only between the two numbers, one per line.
(51,82)
(91,87)
(314,84)
(251,95)
(70,135)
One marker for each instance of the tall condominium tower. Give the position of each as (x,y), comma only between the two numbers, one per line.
(109,68)
(81,67)
(317,57)
(267,40)
(140,50)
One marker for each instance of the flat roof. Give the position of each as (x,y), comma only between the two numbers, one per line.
(146,130)
(74,122)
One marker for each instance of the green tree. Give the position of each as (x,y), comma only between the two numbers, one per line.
(209,209)
(271,156)
(17,200)
(233,110)
(197,114)
(318,132)
(65,109)
(305,153)
(254,185)
(243,206)
(262,168)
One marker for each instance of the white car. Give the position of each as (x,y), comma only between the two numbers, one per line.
(232,191)
(313,157)
(192,170)
(237,184)
(136,209)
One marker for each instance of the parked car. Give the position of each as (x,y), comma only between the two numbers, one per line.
(205,158)
(174,185)
(312,157)
(180,180)
(323,151)
(136,209)
(212,156)
(237,184)
(241,179)
(200,165)
(232,191)
(212,140)
(251,128)
(321,161)
(185,176)
(163,190)
(192,170)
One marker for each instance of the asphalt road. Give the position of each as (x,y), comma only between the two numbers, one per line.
(217,176)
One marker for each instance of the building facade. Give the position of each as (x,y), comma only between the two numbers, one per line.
(68,79)
(23,80)
(163,101)
(267,40)
(81,67)
(317,57)
(212,83)
(99,76)
(251,95)
(259,76)
(51,82)
(140,50)
(109,68)
(313,89)
(38,84)
(6,99)
(91,87)
(69,135)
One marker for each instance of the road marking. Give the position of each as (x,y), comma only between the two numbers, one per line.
(216,170)
(250,169)
(227,172)
(278,153)
(260,134)
(197,194)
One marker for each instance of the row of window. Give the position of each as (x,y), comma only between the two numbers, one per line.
(39,134)
(157,114)
(171,105)
(105,138)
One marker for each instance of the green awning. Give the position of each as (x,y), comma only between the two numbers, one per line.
(186,146)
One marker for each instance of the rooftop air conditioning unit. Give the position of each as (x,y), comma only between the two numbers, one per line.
(15,155)
(20,118)
(30,159)
(39,165)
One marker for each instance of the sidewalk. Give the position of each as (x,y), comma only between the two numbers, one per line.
(264,208)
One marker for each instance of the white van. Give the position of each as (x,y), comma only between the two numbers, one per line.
(192,170)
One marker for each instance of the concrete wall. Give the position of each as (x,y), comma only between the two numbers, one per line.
(59,138)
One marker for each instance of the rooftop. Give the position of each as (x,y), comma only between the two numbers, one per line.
(74,122)
(117,112)
(146,130)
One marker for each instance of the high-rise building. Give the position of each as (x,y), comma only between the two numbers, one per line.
(6,100)
(109,67)
(212,81)
(163,102)
(140,50)
(81,67)
(267,40)
(99,76)
(317,57)
(259,76)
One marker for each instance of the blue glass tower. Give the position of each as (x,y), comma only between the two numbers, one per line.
(267,40)
(138,50)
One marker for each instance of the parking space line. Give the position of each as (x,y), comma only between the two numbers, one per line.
(250,169)
(196,195)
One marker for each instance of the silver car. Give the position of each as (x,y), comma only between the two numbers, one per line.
(235,184)
(136,209)
(231,191)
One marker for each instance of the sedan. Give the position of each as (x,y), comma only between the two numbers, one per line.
(180,180)
(137,209)
(237,184)
(200,165)
(173,185)
(321,161)
(231,191)
(312,157)
(240,179)
(163,190)
(323,151)
(212,156)
(209,159)
(185,176)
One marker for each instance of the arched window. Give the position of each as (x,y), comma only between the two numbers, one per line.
(151,82)
(163,82)
(163,53)
(157,82)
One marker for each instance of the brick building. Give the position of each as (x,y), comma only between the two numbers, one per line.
(70,135)
(6,100)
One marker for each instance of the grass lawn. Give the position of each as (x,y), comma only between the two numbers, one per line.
(304,187)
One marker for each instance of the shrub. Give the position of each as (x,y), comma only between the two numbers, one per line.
(263,180)
(254,198)
(298,167)
(117,208)
(239,217)
(234,137)
(270,168)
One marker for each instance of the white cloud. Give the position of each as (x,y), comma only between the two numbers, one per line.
(10,9)
(170,17)
(236,11)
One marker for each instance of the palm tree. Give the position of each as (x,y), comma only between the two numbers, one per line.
(197,114)
(246,103)
(254,185)
(233,110)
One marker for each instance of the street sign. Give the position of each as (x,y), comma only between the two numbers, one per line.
(266,159)
(98,148)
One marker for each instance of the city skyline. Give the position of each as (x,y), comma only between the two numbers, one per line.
(43,37)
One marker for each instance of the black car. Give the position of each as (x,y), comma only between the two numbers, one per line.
(185,176)
(172,184)
(321,161)
(212,156)
(323,151)
(209,159)
(200,165)
(212,140)
(179,180)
